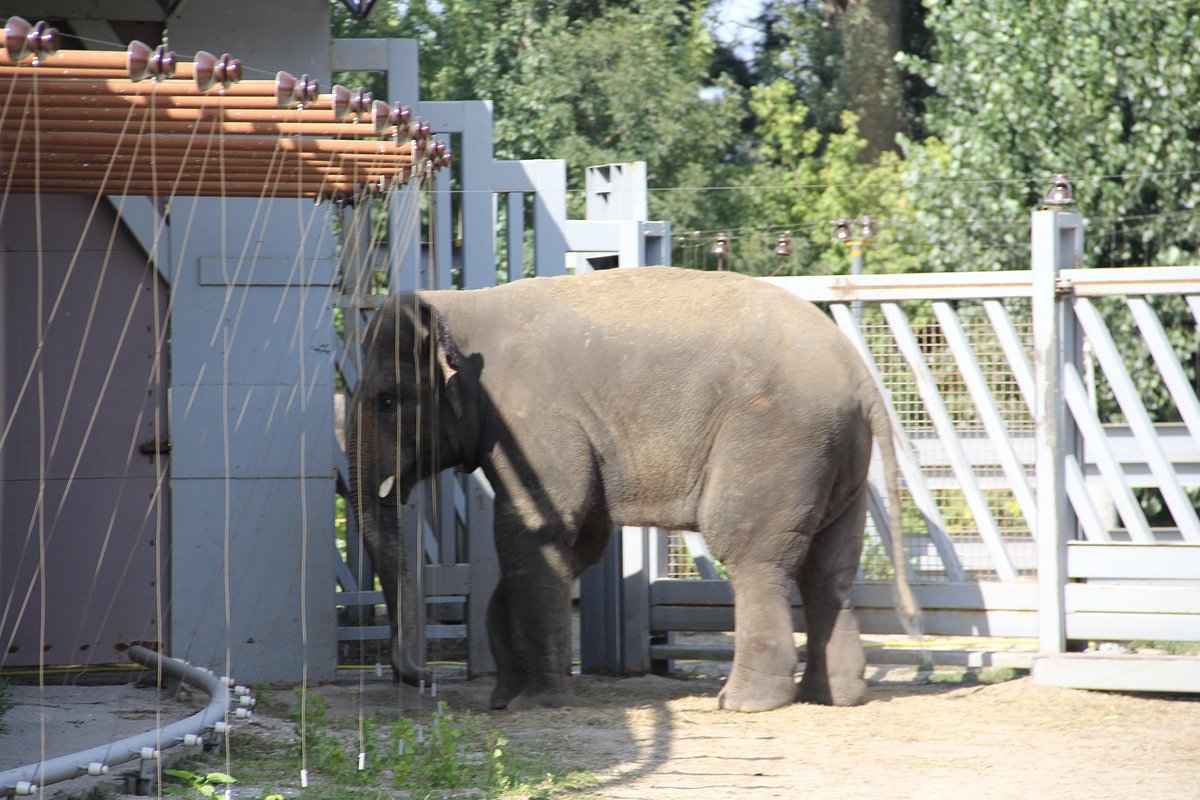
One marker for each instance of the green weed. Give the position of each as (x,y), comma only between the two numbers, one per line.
(973,676)
(203,785)
(448,754)
(1171,648)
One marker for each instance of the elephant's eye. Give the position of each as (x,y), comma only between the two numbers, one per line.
(385,403)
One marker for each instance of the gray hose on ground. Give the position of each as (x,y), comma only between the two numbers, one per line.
(26,780)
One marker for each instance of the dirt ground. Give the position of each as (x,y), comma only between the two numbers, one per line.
(664,738)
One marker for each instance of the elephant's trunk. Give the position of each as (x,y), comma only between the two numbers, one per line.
(389,551)
(379,524)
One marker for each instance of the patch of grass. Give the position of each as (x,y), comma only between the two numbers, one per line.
(445,754)
(1170,648)
(973,676)
(1001,674)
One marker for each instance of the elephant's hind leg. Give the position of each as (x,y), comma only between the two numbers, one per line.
(835,665)
(764,662)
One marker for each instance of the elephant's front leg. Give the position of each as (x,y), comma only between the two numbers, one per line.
(535,583)
(510,671)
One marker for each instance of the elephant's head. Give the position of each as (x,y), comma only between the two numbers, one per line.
(410,418)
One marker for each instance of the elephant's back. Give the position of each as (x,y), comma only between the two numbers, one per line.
(664,319)
(632,301)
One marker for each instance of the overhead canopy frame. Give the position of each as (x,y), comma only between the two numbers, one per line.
(146,122)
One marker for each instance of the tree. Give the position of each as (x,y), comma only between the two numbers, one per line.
(800,180)
(591,83)
(840,56)
(1105,92)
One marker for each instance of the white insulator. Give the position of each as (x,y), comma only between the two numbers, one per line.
(148,754)
(247,700)
(241,690)
(96,768)
(242,713)
(220,727)
(228,681)
(27,788)
(192,740)
(303,779)
(378,670)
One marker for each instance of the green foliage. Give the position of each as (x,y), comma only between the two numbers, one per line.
(590,83)
(316,740)
(1170,648)
(203,785)
(448,753)
(806,178)
(1102,91)
(972,676)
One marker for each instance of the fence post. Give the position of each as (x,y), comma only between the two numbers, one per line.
(1056,242)
(614,602)
(484,570)
(600,612)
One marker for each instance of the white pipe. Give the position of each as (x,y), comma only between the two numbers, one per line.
(28,779)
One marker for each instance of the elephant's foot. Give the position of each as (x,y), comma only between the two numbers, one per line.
(504,693)
(552,698)
(834,676)
(847,690)
(750,691)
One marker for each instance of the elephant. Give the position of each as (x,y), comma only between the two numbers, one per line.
(656,396)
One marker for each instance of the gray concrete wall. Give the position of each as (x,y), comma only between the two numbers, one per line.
(252,390)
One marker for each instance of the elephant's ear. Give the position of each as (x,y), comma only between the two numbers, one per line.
(445,354)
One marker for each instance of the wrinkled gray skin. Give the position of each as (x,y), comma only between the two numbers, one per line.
(658,396)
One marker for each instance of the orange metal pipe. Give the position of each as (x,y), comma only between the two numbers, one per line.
(256,144)
(157,170)
(183,187)
(223,110)
(200,158)
(50,84)
(203,125)
(148,100)
(211,172)
(103,60)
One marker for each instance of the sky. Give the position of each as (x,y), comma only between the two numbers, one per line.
(734,23)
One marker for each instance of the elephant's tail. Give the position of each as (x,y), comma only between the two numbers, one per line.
(906,602)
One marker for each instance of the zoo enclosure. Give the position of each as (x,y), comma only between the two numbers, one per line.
(990,379)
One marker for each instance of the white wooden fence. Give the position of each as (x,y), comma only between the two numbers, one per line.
(1028,518)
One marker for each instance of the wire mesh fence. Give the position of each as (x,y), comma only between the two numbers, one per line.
(900,382)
